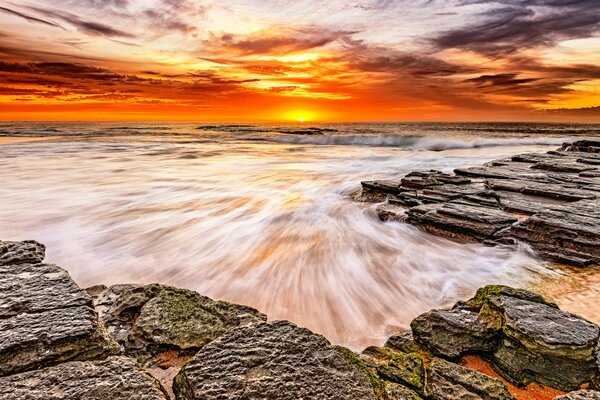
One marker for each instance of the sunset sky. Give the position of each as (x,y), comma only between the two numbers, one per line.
(336,60)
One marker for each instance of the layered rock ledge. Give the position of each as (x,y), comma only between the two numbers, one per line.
(150,342)
(550,201)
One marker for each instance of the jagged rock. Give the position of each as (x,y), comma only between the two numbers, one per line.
(274,361)
(150,319)
(45,318)
(453,333)
(28,251)
(449,381)
(580,395)
(113,379)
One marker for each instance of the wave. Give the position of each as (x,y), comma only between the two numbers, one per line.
(408,142)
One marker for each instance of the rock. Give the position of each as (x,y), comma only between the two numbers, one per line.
(403,342)
(274,361)
(377,191)
(45,318)
(540,342)
(570,232)
(113,379)
(460,220)
(580,395)
(454,333)
(543,199)
(449,381)
(406,369)
(28,251)
(147,320)
(394,391)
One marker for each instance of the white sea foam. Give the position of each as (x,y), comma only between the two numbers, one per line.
(265,224)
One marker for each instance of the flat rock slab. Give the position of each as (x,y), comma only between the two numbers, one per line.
(273,361)
(45,317)
(117,378)
(543,199)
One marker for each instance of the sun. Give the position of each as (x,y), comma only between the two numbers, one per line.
(300,115)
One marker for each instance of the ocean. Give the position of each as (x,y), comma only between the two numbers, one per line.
(261,214)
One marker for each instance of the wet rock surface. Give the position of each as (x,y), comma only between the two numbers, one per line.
(117,378)
(549,200)
(273,361)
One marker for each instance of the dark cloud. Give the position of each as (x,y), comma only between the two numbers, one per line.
(29,17)
(576,112)
(506,79)
(519,25)
(89,27)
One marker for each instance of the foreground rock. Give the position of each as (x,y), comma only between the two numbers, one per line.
(273,361)
(45,318)
(549,200)
(117,378)
(52,345)
(525,337)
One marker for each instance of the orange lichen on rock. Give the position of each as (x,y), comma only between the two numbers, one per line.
(532,391)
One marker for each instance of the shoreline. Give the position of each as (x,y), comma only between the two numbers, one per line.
(159,342)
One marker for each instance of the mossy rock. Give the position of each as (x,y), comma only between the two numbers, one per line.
(149,319)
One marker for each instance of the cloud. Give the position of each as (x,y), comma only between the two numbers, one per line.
(517,26)
(29,17)
(505,79)
(89,27)
(285,42)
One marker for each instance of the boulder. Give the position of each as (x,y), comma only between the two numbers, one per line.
(116,378)
(449,381)
(147,320)
(539,342)
(274,361)
(453,333)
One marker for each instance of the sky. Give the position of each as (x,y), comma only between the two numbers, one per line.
(300,60)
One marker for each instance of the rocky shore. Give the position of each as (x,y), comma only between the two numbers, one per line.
(551,201)
(58,341)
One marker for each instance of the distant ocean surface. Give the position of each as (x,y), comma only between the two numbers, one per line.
(260,214)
